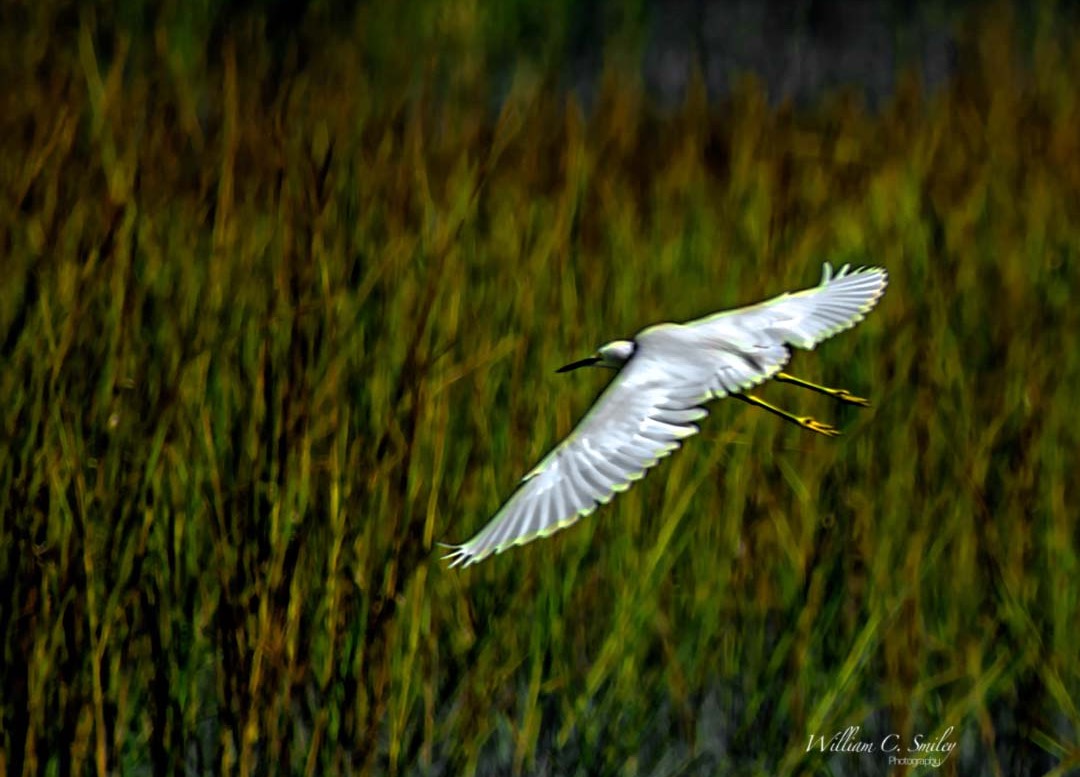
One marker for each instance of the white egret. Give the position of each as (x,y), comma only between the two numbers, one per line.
(665,374)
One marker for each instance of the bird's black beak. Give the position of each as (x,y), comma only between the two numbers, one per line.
(579,363)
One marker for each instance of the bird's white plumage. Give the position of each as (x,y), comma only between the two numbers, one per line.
(650,407)
(804,318)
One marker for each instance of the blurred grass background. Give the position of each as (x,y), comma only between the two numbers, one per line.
(281,298)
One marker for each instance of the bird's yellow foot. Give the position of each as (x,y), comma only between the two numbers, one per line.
(839,394)
(843,395)
(817,426)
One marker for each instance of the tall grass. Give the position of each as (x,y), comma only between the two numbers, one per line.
(275,318)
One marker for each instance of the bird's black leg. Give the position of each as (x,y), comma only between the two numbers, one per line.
(804,422)
(841,395)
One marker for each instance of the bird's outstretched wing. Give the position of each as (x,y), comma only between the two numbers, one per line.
(803,318)
(639,419)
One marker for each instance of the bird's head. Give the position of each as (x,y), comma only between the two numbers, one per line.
(614,355)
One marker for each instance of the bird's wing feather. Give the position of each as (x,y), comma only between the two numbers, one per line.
(802,318)
(640,418)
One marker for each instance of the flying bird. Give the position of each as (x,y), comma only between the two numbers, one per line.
(666,373)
